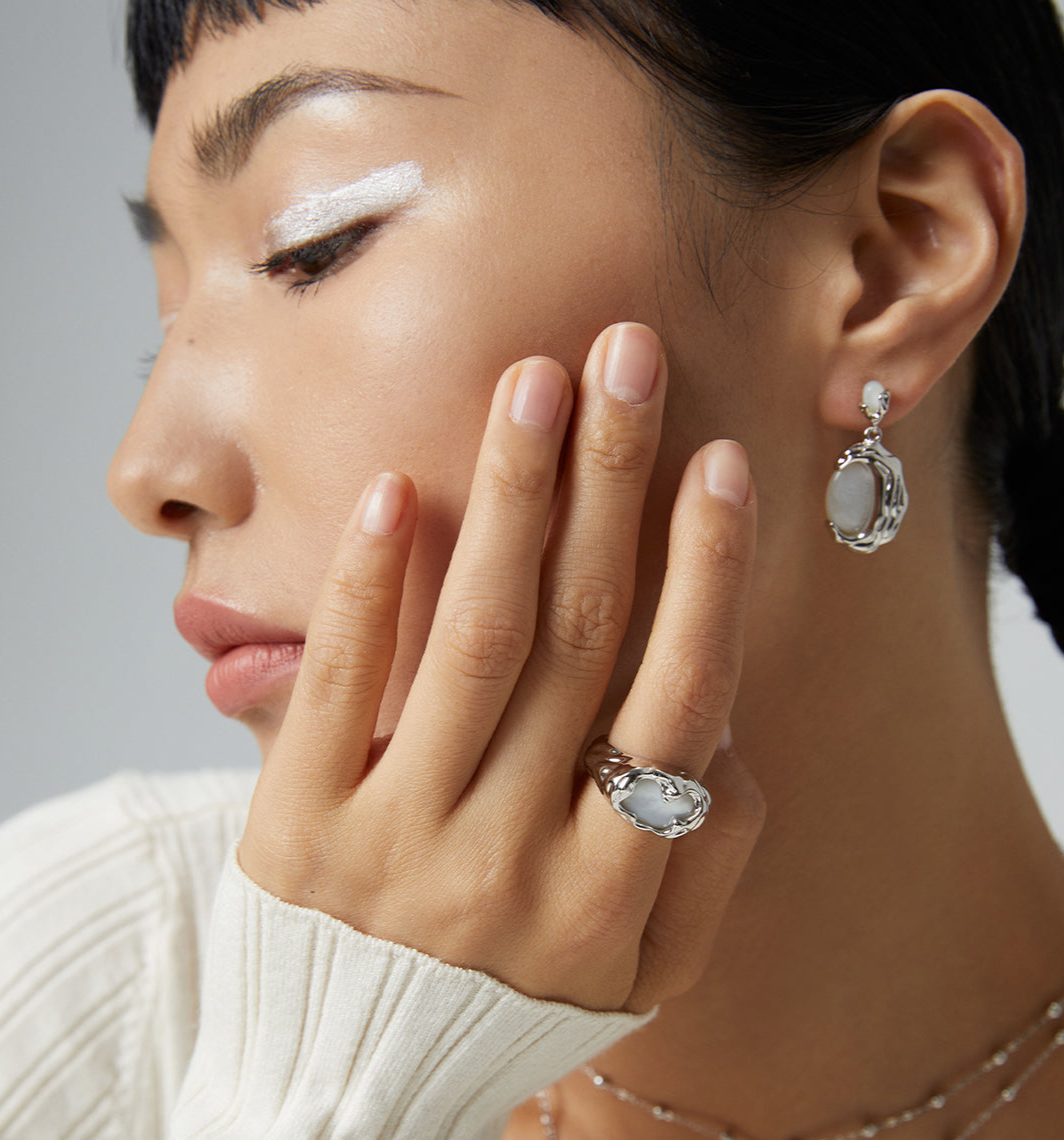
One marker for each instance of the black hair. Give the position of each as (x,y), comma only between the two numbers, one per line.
(772,91)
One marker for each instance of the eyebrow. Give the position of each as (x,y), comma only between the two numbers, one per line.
(224,145)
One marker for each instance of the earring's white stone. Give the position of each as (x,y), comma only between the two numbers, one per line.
(875,398)
(646,801)
(852,498)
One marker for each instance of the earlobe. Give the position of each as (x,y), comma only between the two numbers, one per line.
(938,224)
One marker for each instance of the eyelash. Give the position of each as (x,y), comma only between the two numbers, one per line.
(320,258)
(337,250)
(146,364)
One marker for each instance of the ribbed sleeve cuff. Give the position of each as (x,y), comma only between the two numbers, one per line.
(312,1029)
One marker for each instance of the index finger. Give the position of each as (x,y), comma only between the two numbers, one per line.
(327,733)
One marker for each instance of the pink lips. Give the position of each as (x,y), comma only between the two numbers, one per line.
(251,658)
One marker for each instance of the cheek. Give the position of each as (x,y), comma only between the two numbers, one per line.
(392,364)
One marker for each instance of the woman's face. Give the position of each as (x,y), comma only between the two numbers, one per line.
(498,180)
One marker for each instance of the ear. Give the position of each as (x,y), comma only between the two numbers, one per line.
(935,235)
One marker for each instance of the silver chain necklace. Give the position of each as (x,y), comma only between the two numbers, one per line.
(1053,1012)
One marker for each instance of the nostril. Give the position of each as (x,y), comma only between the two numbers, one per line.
(176,510)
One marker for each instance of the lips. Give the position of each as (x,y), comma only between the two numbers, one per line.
(251,659)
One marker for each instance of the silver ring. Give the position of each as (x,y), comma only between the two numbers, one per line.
(665,803)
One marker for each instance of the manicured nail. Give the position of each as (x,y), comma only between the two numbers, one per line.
(726,472)
(537,394)
(725,743)
(631,365)
(384,505)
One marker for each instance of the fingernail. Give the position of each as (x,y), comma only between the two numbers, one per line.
(725,742)
(384,505)
(537,394)
(726,472)
(631,365)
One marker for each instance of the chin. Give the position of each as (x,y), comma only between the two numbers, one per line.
(265,725)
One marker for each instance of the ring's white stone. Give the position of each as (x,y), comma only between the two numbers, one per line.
(852,498)
(646,801)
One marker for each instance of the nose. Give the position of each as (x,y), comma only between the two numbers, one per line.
(183,464)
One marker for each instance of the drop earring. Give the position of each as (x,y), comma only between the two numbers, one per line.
(866,497)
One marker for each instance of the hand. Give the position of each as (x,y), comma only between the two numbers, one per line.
(475,835)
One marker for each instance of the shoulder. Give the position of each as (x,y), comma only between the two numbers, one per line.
(110,817)
(104,853)
(105,898)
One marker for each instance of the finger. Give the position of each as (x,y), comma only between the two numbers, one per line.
(679,704)
(701,875)
(485,618)
(682,695)
(323,745)
(589,569)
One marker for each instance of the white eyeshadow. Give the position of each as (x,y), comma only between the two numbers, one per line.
(318,215)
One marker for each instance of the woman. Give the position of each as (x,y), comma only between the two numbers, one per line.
(362,216)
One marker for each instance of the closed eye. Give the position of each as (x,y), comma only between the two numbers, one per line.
(309,264)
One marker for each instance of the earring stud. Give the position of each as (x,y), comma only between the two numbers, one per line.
(867,498)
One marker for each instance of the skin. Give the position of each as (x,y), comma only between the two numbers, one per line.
(900,833)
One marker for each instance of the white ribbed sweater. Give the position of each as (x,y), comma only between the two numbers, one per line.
(149,989)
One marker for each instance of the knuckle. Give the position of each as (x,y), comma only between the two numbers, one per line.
(291,849)
(354,632)
(726,560)
(483,643)
(516,483)
(672,962)
(359,606)
(337,666)
(739,806)
(587,618)
(697,686)
(749,812)
(619,452)
(684,975)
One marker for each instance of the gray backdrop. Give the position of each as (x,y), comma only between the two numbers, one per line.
(93,676)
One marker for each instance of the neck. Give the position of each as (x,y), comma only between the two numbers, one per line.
(903,912)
